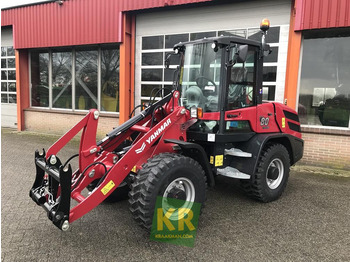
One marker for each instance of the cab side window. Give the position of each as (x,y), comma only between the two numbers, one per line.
(242,83)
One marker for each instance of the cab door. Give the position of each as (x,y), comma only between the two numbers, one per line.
(240,108)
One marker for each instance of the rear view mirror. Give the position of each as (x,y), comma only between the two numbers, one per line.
(266,49)
(167,61)
(171,59)
(239,54)
(242,53)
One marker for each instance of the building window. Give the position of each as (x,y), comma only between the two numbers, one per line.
(155,80)
(40,78)
(76,78)
(8,75)
(324,94)
(86,79)
(62,79)
(154,49)
(110,80)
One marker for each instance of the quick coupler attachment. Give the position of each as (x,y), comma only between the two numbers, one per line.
(52,188)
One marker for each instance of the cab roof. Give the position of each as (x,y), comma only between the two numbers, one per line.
(223,40)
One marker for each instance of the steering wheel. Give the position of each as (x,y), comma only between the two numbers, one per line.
(200,80)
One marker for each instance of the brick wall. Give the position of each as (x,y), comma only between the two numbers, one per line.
(327,150)
(59,123)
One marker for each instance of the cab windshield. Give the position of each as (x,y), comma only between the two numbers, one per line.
(200,77)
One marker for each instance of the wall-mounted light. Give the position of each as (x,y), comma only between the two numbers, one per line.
(60,2)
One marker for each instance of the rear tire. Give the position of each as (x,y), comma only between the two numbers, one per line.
(156,178)
(271,176)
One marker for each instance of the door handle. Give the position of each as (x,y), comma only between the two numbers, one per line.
(231,116)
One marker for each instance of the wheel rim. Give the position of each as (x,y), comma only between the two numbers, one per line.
(275,165)
(181,188)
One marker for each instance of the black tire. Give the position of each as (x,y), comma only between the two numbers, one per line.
(264,188)
(153,179)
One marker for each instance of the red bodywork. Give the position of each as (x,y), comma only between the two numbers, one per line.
(149,142)
(272,111)
(280,115)
(170,120)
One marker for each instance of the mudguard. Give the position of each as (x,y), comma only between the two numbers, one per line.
(196,152)
(294,145)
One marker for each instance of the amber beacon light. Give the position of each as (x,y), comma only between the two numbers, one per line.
(265,24)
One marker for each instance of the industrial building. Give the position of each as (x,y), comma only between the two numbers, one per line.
(61,58)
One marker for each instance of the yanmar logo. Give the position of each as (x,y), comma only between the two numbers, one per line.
(153,136)
(138,151)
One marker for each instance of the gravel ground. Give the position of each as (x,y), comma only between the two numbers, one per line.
(311,221)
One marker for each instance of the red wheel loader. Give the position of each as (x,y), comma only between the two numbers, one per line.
(212,123)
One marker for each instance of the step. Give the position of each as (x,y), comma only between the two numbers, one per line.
(232,172)
(237,152)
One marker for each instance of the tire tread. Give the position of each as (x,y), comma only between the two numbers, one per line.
(256,190)
(141,195)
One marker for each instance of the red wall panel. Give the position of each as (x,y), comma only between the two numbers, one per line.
(317,14)
(75,22)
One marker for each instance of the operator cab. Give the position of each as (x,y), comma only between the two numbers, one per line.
(217,77)
(209,65)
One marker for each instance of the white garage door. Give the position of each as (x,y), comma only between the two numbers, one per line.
(8,80)
(157,32)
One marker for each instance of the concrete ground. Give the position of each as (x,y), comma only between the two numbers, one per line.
(311,221)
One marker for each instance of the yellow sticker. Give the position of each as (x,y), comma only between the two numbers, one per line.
(181,73)
(211,160)
(283,122)
(134,169)
(107,187)
(219,160)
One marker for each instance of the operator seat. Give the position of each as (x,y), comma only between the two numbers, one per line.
(237,88)
(194,97)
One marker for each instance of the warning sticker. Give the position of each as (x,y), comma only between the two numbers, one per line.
(211,160)
(283,122)
(107,187)
(219,160)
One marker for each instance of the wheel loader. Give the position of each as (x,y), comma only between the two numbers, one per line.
(212,123)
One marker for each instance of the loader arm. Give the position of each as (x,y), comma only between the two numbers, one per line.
(55,185)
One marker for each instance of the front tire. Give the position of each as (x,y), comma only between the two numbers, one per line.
(271,176)
(166,175)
